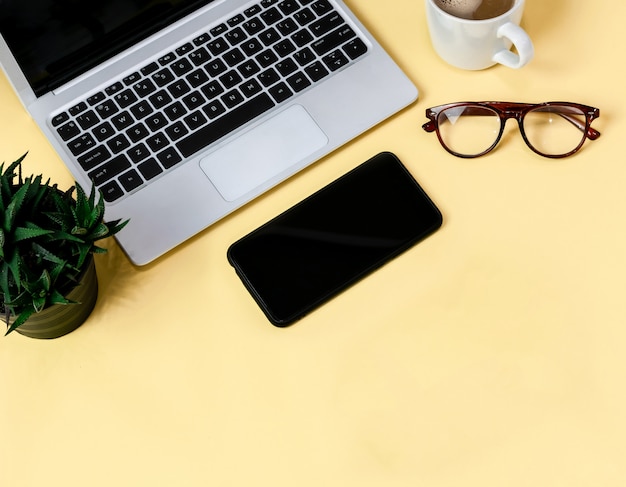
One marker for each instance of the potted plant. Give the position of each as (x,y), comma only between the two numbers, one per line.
(48,282)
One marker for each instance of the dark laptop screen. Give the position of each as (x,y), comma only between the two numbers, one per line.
(56,40)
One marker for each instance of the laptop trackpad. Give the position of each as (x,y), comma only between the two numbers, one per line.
(263,152)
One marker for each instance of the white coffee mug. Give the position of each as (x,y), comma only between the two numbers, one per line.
(479,44)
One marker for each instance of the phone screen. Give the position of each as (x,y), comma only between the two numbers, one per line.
(336,236)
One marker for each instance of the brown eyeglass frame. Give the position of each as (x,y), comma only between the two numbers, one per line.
(517,111)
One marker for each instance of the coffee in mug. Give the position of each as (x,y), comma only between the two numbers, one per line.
(475,9)
(476,34)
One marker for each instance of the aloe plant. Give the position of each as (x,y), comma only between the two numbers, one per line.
(46,236)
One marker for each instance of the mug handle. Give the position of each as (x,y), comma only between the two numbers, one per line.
(522,43)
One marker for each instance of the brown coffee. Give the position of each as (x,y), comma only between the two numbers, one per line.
(475,9)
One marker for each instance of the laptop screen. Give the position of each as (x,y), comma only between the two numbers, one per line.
(57,40)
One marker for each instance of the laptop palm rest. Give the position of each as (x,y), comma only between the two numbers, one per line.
(263,152)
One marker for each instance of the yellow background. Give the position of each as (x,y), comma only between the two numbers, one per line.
(491,354)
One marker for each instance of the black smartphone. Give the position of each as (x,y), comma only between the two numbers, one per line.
(336,236)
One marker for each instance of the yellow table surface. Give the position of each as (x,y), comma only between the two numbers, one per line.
(491,354)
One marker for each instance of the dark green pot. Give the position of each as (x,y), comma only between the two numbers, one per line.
(59,320)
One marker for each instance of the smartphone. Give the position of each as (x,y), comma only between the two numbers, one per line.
(327,242)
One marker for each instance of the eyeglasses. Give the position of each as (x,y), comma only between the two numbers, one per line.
(472,129)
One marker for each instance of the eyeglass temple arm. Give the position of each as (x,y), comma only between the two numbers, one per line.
(590,133)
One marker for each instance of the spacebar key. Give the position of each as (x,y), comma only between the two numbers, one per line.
(224,125)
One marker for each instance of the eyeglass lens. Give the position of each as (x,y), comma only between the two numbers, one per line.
(472,130)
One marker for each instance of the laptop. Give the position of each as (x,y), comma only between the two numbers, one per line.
(181,111)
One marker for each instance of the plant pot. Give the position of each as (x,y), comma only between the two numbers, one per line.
(59,320)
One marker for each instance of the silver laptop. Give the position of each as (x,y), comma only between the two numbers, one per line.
(181,111)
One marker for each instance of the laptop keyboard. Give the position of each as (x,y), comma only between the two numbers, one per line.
(153,119)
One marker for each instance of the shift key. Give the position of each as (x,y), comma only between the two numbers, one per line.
(109,170)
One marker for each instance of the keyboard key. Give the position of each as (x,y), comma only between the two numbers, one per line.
(184,49)
(251,47)
(268,77)
(253,26)
(104,131)
(125,98)
(175,111)
(219,30)
(212,89)
(131,180)
(169,157)
(316,71)
(141,109)
(230,79)
(149,69)
(286,66)
(335,60)
(150,169)
(138,153)
(131,78)
(302,37)
(215,68)
(118,143)
(114,88)
(156,121)
(163,77)
(248,68)
(304,56)
(214,109)
(197,78)
(166,59)
(286,26)
(333,40)
(144,87)
(266,58)
(59,119)
(217,46)
(201,39)
(355,48)
(68,131)
(122,120)
(81,144)
(137,132)
(250,88)
(280,92)
(271,16)
(157,142)
(109,170)
(320,7)
(94,158)
(176,131)
(195,120)
(160,99)
(178,88)
(235,36)
(200,56)
(326,24)
(193,100)
(288,6)
(233,57)
(76,109)
(298,82)
(269,36)
(304,16)
(111,191)
(224,125)
(232,98)
(237,19)
(107,108)
(181,67)
(95,98)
